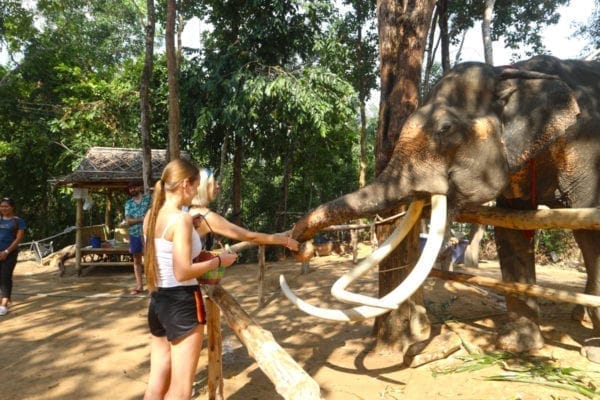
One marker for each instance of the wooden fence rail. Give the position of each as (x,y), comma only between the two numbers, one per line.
(290,380)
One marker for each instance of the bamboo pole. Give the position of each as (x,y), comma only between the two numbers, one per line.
(527,289)
(290,380)
(78,234)
(215,346)
(558,218)
(261,275)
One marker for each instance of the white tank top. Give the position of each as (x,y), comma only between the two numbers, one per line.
(164,257)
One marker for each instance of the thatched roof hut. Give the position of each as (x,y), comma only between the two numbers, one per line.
(107,170)
(112,168)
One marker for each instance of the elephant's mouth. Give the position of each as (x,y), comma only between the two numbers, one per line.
(369,307)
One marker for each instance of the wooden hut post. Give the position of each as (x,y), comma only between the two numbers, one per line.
(261,275)
(215,351)
(78,234)
(108,211)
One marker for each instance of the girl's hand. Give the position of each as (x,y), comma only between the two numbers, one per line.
(227,258)
(292,244)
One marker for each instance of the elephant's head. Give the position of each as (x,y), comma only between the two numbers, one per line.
(478,126)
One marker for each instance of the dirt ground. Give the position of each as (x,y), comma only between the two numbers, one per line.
(85,337)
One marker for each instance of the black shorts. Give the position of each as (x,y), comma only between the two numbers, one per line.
(175,312)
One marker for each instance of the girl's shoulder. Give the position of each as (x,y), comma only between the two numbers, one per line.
(199,213)
(171,220)
(197,210)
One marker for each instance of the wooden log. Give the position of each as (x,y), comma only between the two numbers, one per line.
(290,380)
(62,254)
(520,288)
(241,246)
(57,259)
(215,346)
(563,218)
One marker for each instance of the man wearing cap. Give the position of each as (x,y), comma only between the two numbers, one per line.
(135,210)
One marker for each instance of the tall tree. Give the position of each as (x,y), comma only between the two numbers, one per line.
(403,27)
(256,52)
(146,78)
(518,22)
(486,31)
(66,88)
(362,69)
(173,79)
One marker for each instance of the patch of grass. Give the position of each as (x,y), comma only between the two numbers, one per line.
(527,369)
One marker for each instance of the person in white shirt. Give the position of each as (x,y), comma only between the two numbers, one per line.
(176,315)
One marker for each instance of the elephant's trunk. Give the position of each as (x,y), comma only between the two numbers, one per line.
(374,198)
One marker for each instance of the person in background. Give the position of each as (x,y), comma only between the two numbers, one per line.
(208,222)
(135,210)
(12,230)
(176,314)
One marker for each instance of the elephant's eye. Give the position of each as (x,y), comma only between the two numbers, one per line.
(444,127)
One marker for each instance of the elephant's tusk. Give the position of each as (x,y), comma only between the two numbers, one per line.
(412,282)
(338,290)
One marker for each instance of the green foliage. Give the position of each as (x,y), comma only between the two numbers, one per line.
(528,369)
(591,30)
(71,85)
(260,81)
(556,241)
(519,22)
(281,77)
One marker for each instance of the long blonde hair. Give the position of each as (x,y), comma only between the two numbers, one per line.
(206,188)
(175,172)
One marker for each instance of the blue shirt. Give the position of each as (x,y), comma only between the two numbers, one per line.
(8,233)
(137,210)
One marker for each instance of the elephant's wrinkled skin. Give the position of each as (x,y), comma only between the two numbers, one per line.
(524,135)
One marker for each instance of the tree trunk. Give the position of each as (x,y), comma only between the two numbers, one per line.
(403,28)
(222,163)
(281,218)
(145,120)
(362,95)
(238,157)
(443,21)
(172,78)
(486,33)
(431,50)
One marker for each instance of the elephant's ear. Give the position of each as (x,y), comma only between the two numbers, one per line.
(537,109)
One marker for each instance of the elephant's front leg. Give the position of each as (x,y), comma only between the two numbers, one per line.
(588,243)
(517,261)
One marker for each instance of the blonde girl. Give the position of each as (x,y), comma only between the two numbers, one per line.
(206,221)
(176,311)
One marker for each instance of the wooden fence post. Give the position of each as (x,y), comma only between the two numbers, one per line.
(290,380)
(215,351)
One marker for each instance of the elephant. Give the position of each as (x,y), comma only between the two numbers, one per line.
(522,135)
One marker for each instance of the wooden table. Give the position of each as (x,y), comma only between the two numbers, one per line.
(109,256)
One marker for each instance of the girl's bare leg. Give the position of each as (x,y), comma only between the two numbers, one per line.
(185,353)
(160,369)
